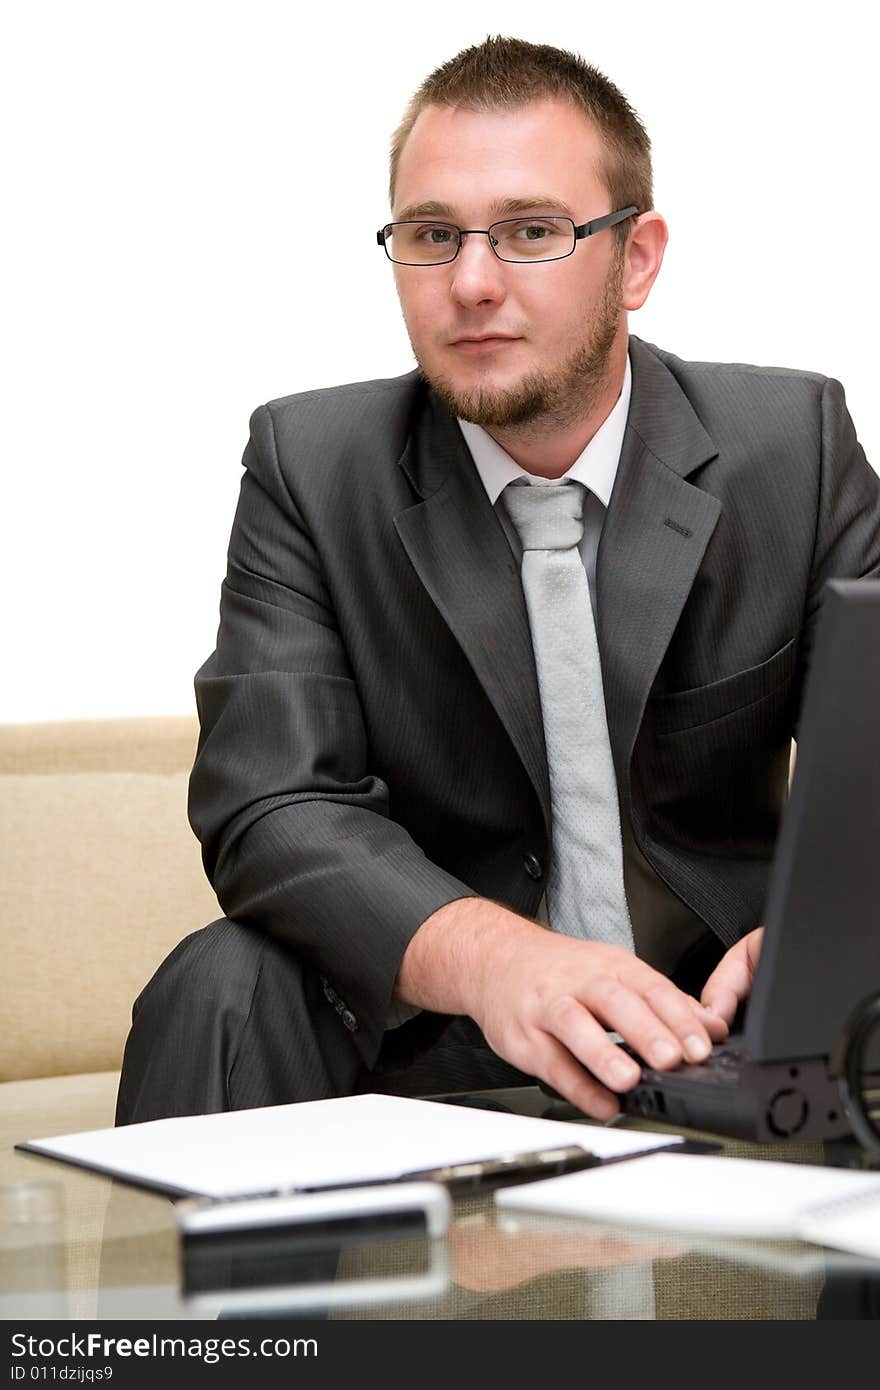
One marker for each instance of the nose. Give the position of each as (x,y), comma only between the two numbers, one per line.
(477,273)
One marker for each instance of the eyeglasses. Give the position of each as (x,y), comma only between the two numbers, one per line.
(517,239)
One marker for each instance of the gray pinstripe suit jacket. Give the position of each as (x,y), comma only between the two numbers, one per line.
(371,742)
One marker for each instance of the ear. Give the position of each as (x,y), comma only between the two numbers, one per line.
(643,258)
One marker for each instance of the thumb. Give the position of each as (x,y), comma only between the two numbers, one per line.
(731,980)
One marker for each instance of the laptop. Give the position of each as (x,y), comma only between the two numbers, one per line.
(820,955)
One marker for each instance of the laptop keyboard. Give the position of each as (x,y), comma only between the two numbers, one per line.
(729,1056)
(726,1062)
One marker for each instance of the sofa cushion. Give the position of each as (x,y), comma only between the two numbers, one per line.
(151,743)
(101,877)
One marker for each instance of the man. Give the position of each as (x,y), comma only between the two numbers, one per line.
(398,788)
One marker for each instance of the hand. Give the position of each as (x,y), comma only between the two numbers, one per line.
(731,980)
(544,1003)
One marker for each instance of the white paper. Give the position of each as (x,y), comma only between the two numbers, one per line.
(852,1224)
(692,1192)
(321,1143)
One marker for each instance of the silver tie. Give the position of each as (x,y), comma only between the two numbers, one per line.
(585,892)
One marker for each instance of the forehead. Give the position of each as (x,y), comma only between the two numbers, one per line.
(467,160)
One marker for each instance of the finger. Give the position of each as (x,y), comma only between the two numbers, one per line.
(584,1038)
(677,1011)
(753,942)
(723,1001)
(560,1069)
(663,1041)
(729,982)
(714,1024)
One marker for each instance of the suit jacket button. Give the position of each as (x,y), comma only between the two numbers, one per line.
(533,866)
(350,1021)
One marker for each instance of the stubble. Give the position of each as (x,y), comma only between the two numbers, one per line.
(553,399)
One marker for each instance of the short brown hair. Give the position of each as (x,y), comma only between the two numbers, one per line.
(504,73)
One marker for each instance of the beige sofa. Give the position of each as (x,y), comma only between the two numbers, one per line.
(101,877)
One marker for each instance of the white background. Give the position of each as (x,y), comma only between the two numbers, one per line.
(161,163)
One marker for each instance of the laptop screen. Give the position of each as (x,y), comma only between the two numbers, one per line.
(820,956)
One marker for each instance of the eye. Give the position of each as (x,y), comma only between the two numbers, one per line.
(533,231)
(520,233)
(434,236)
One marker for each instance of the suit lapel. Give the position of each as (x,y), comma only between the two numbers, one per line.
(654,537)
(460,552)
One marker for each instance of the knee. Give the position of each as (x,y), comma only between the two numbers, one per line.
(187,1024)
(213,970)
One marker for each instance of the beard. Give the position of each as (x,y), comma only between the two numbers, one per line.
(551,399)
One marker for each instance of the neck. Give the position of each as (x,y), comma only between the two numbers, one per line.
(548,447)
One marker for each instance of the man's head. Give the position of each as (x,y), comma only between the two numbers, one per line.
(510,127)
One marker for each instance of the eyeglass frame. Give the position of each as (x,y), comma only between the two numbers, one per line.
(585,229)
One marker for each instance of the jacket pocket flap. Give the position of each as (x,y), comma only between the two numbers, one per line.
(680,710)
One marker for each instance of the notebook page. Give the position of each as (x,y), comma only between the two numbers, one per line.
(682,1192)
(319,1143)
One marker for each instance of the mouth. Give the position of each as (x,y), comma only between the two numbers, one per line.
(484,342)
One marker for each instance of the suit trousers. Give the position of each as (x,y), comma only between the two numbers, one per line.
(233,1020)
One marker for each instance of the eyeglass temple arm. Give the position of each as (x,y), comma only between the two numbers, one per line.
(598,224)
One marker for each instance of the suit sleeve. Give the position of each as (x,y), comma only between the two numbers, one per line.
(847,538)
(295,828)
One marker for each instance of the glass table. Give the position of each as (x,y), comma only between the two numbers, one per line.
(75,1245)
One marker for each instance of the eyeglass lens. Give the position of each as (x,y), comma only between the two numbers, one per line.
(519,239)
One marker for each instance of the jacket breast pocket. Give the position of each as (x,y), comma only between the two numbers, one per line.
(680,710)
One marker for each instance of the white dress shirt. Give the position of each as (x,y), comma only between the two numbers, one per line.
(595,467)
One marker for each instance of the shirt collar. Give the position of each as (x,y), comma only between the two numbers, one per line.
(596,467)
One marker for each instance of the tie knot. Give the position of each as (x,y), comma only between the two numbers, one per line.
(547,518)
